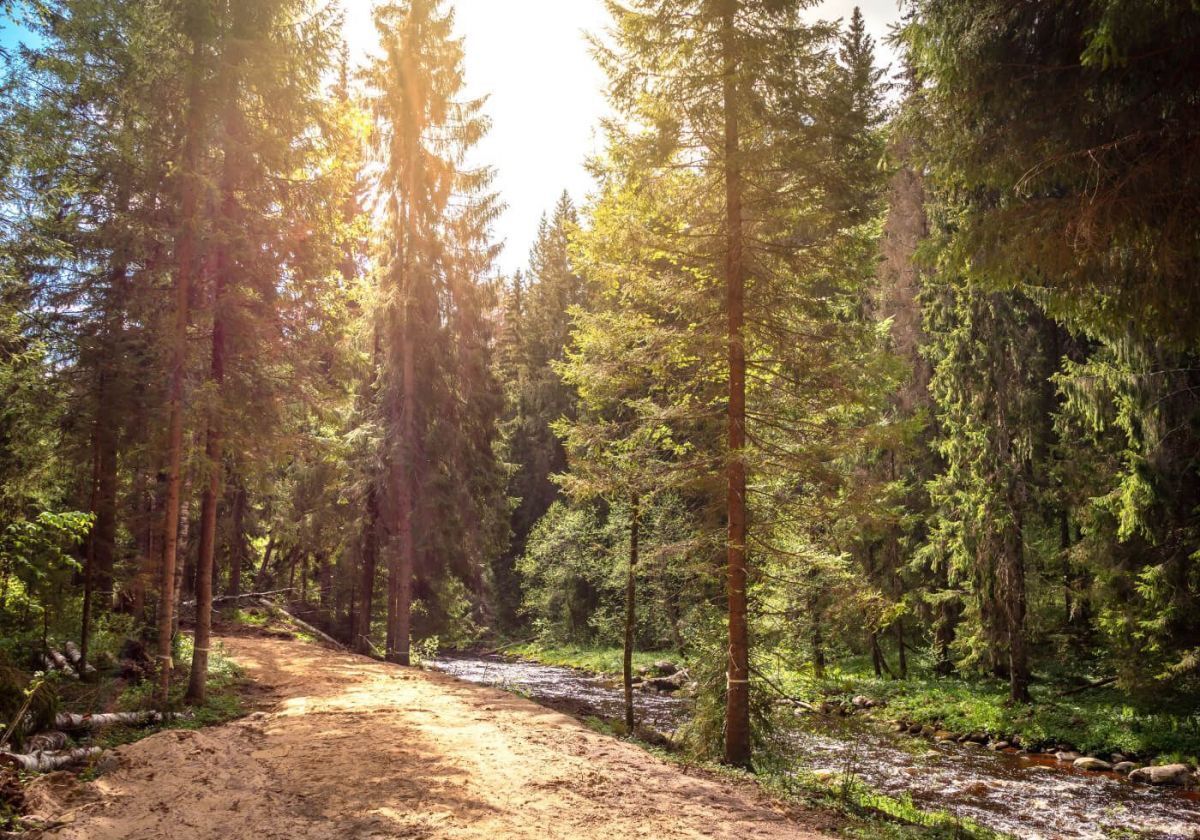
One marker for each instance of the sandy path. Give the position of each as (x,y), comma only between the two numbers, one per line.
(357,749)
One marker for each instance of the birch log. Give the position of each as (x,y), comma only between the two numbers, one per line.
(46,762)
(303,625)
(73,654)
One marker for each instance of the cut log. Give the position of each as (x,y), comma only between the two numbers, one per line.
(72,651)
(60,662)
(77,723)
(46,762)
(280,612)
(47,742)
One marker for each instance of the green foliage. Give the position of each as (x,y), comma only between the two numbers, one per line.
(597,660)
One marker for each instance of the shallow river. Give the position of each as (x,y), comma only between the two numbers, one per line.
(1031,797)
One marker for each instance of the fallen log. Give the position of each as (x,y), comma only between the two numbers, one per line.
(73,653)
(76,723)
(219,599)
(280,612)
(61,663)
(47,742)
(46,762)
(1087,687)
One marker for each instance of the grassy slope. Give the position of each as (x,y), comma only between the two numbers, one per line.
(1100,720)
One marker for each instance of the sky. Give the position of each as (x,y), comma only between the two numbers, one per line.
(546,95)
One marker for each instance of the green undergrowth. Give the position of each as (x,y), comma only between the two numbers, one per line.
(1102,720)
(223,700)
(598,660)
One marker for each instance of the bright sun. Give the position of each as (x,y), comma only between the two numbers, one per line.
(545,99)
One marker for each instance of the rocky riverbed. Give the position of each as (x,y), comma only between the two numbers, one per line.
(1029,795)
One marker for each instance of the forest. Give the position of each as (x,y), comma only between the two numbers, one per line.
(840,382)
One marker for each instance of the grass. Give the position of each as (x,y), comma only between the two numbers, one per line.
(222,699)
(1101,720)
(598,660)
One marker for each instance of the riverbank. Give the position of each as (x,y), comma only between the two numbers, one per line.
(832,753)
(1100,720)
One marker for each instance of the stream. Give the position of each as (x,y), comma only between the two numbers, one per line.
(1028,796)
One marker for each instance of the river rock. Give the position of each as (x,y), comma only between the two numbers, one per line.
(1124,767)
(997,746)
(667,684)
(1068,756)
(666,668)
(914,729)
(1089,763)
(1167,774)
(943,735)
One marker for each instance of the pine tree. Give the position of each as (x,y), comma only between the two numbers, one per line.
(433,251)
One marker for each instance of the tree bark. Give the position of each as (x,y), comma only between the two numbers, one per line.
(630,608)
(186,248)
(399,652)
(737,698)
(1013,598)
(260,579)
(370,556)
(214,448)
(185,528)
(46,762)
(818,643)
(237,545)
(89,565)
(876,654)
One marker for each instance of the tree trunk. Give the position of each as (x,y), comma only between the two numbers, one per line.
(237,544)
(876,654)
(46,762)
(370,556)
(304,576)
(325,585)
(292,556)
(901,653)
(402,567)
(104,533)
(737,698)
(1013,597)
(89,565)
(185,527)
(186,247)
(214,447)
(630,609)
(260,579)
(818,643)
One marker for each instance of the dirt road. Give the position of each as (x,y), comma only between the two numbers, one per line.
(353,749)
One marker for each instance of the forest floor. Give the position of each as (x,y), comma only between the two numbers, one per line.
(346,748)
